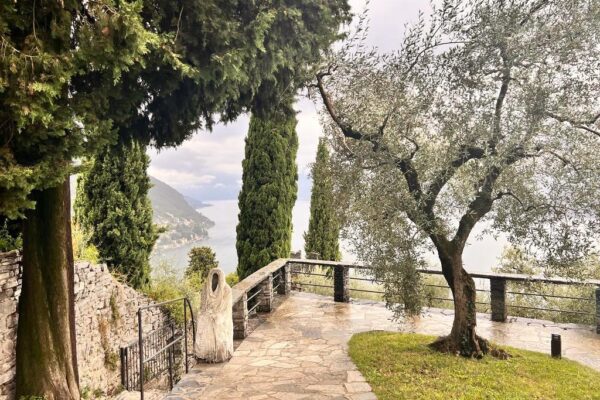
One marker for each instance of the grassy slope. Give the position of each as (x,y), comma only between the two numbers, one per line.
(401,366)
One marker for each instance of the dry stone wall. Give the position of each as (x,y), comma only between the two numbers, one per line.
(105,318)
(10,289)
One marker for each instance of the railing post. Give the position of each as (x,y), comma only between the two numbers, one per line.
(141,352)
(285,287)
(341,289)
(598,310)
(123,354)
(170,363)
(185,335)
(240,318)
(498,299)
(265,298)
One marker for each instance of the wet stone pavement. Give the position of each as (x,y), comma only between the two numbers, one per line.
(300,350)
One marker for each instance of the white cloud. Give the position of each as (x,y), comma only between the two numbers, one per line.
(179,179)
(219,154)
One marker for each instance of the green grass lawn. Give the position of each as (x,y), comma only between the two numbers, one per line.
(401,366)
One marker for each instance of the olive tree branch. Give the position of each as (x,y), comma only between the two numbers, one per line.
(578,124)
(483,201)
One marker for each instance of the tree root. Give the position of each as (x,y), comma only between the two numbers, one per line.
(475,348)
(471,347)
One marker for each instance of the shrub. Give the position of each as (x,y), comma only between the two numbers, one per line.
(232,279)
(201,261)
(8,240)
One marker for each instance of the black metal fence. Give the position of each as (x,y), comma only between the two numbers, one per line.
(518,292)
(163,350)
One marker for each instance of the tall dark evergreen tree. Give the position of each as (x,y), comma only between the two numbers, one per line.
(44,123)
(323,228)
(74,76)
(112,205)
(264,232)
(302,31)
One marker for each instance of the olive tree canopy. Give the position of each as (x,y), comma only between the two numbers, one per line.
(488,114)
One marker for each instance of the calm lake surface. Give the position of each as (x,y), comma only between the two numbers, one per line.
(480,255)
(221,239)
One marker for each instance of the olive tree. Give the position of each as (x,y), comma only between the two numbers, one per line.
(487,115)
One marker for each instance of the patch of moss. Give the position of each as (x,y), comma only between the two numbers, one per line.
(111,358)
(115,314)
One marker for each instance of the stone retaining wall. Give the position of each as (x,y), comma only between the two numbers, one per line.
(105,317)
(10,289)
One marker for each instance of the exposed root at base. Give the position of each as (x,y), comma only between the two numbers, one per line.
(475,348)
(500,354)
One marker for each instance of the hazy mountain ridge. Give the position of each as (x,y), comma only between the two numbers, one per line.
(171,209)
(195,203)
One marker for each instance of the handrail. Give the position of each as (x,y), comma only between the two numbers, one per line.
(483,275)
(186,304)
(341,288)
(497,289)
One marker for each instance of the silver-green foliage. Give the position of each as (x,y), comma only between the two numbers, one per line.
(488,115)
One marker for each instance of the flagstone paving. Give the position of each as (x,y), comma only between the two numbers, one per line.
(300,350)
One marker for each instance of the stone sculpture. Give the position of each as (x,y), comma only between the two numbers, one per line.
(214,326)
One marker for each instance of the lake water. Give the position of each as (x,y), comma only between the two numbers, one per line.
(222,236)
(480,255)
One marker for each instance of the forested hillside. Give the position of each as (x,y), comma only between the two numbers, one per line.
(171,210)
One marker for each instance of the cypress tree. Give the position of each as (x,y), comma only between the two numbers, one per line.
(49,49)
(145,69)
(112,205)
(323,228)
(269,170)
(269,187)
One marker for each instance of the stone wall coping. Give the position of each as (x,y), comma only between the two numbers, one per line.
(253,280)
(10,254)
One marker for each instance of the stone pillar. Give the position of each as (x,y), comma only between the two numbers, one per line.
(498,299)
(598,310)
(240,318)
(285,287)
(265,298)
(341,288)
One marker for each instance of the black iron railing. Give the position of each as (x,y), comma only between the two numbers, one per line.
(489,298)
(163,350)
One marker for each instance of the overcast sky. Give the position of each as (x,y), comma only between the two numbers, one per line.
(209,166)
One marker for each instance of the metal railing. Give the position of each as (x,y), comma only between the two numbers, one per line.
(495,297)
(161,350)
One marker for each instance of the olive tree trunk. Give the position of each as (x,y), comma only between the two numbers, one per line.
(46,352)
(463,337)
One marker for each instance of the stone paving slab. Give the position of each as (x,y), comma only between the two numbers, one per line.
(300,350)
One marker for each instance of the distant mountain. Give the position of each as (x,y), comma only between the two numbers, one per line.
(184,224)
(195,203)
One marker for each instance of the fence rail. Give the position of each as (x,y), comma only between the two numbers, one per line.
(158,351)
(255,293)
(499,296)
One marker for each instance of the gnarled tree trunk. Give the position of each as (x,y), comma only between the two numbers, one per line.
(46,352)
(463,337)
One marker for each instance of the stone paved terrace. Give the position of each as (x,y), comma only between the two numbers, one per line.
(300,351)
